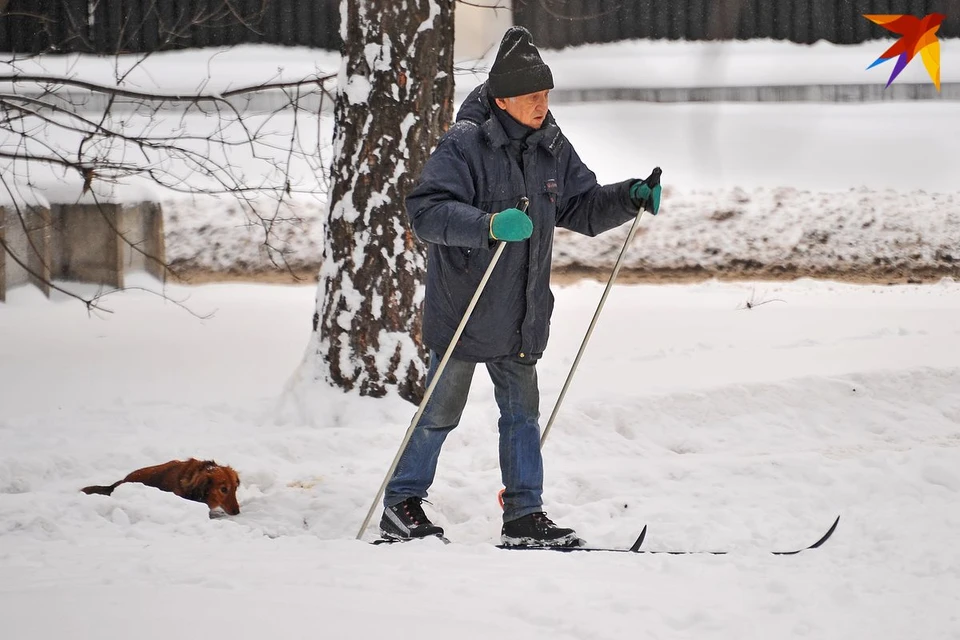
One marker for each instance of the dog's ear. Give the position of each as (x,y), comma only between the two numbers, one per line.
(196,485)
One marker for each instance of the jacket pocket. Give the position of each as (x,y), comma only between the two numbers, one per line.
(551,191)
(456,259)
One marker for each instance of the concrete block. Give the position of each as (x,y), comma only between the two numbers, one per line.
(39,259)
(86,244)
(27,259)
(142,247)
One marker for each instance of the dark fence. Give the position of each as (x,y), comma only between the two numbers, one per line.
(560,23)
(111,26)
(121,26)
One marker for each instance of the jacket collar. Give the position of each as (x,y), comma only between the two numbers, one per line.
(476,108)
(514,130)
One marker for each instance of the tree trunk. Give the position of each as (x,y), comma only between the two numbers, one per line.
(394,99)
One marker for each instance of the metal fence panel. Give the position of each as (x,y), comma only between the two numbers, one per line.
(560,23)
(128,26)
(110,26)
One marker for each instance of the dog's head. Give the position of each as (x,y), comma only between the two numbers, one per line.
(217,487)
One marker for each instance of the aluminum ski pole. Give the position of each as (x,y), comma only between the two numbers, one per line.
(524,203)
(653,180)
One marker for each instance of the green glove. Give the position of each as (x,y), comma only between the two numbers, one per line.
(646,193)
(510,225)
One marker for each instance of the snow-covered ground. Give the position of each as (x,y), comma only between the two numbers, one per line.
(858,189)
(718,426)
(804,188)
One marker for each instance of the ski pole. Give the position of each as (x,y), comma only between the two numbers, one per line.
(652,181)
(524,203)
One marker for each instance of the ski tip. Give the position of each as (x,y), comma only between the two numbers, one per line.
(827,535)
(635,547)
(816,544)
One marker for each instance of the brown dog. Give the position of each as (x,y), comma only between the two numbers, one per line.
(198,480)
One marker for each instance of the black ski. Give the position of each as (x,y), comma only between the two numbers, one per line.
(443,539)
(635,547)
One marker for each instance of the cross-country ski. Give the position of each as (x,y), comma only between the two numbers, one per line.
(636,547)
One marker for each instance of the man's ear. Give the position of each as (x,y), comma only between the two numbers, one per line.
(501,102)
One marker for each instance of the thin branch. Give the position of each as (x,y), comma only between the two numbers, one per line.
(8,100)
(156,97)
(92,303)
(589,16)
(42,159)
(484,6)
(751,305)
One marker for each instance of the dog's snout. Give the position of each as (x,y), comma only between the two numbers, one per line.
(230,505)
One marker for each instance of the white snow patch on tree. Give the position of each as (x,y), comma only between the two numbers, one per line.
(357,89)
(431,19)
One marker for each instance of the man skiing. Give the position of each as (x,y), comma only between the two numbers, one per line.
(504,146)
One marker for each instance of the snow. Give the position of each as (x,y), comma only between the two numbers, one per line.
(719,427)
(665,63)
(738,416)
(799,183)
(358,89)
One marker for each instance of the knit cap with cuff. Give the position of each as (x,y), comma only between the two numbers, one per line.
(518,68)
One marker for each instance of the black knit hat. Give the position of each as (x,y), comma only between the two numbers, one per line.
(518,69)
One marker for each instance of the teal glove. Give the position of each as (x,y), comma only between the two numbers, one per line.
(646,193)
(510,225)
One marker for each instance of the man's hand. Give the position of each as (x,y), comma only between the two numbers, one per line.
(646,193)
(510,225)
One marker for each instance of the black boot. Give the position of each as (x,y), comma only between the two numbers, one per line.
(537,530)
(406,521)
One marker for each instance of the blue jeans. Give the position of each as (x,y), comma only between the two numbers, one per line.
(521,467)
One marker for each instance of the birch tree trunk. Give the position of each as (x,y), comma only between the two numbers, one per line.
(394,99)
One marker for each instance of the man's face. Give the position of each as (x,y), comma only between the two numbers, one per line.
(529,109)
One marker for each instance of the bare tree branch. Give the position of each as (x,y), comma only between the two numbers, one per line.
(191,98)
(498,4)
(548,6)
(66,127)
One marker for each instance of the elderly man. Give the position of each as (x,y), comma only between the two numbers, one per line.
(504,146)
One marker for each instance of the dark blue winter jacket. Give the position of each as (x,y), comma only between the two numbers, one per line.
(470,176)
